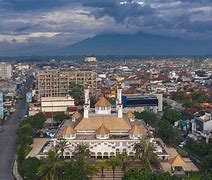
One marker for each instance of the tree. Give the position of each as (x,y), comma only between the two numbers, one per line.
(199,97)
(22,153)
(37,121)
(144,150)
(171,115)
(91,170)
(134,174)
(148,117)
(114,162)
(59,118)
(81,156)
(165,176)
(76,91)
(93,101)
(29,168)
(207,162)
(61,145)
(102,165)
(49,169)
(178,96)
(168,134)
(25,134)
(124,160)
(69,170)
(82,150)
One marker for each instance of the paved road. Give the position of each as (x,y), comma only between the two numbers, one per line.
(8,136)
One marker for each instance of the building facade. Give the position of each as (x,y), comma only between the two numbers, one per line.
(5,70)
(140,103)
(55,83)
(56,104)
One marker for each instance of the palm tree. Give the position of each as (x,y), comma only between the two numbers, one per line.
(62,144)
(91,170)
(114,162)
(124,160)
(81,155)
(103,165)
(82,149)
(49,170)
(144,151)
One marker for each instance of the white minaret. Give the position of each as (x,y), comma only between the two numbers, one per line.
(86,110)
(120,111)
(119,94)
(119,106)
(87,101)
(86,94)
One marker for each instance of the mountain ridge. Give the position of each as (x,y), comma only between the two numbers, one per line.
(138,44)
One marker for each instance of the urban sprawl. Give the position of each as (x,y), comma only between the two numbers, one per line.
(103,119)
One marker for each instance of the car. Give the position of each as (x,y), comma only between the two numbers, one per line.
(182,144)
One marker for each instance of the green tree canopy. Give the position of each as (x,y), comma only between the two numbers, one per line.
(171,115)
(29,168)
(76,91)
(198,97)
(135,174)
(168,134)
(148,117)
(37,121)
(207,162)
(59,118)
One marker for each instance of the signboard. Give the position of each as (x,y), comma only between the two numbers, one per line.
(28,97)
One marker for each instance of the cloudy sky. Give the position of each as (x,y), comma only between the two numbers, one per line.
(58,23)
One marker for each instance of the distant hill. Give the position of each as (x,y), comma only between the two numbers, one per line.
(138,44)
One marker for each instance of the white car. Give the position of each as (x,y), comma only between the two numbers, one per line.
(182,144)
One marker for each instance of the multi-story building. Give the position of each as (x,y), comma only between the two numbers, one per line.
(56,104)
(5,70)
(137,102)
(55,83)
(202,127)
(90,59)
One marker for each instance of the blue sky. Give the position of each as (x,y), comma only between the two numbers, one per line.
(58,23)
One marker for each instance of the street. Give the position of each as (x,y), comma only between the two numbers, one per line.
(8,135)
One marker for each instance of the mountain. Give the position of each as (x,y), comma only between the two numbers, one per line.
(138,44)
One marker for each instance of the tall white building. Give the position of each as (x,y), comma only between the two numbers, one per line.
(5,70)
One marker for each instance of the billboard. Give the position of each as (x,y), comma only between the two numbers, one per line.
(28,97)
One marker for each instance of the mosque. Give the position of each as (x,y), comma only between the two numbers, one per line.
(105,130)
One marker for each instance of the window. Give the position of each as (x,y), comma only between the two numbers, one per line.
(117,143)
